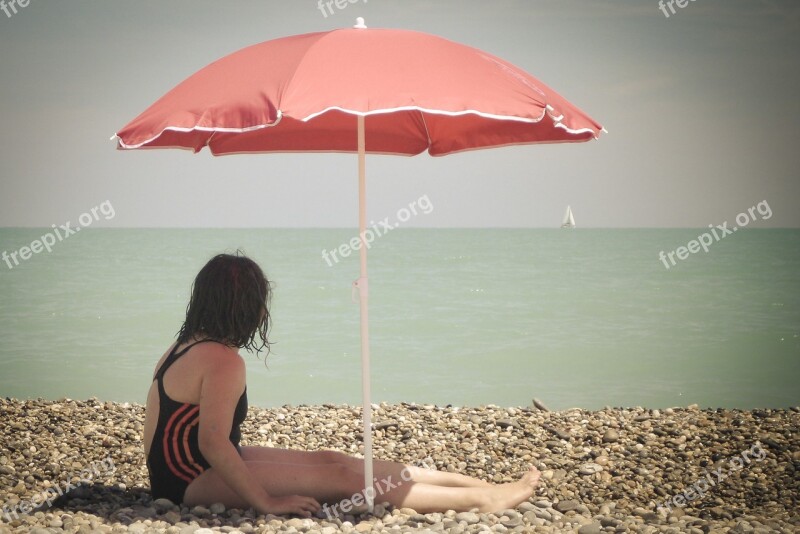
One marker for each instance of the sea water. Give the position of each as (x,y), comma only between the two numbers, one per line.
(584,317)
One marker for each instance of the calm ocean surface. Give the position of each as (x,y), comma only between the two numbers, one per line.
(586,318)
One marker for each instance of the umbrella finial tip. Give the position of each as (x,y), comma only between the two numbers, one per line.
(360,23)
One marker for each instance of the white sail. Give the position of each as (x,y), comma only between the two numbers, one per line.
(569,219)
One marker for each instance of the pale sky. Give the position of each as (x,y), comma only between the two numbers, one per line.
(701,108)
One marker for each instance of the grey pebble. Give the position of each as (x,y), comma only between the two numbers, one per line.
(526,506)
(566,506)
(591,528)
(470,517)
(540,405)
(590,468)
(611,436)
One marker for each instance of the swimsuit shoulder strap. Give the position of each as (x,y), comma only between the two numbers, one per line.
(173,357)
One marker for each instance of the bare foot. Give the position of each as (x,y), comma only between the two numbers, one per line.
(510,495)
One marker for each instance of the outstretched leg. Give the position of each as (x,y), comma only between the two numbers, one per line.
(335,483)
(383,469)
(426,498)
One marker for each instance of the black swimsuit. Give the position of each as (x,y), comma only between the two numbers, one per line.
(175,458)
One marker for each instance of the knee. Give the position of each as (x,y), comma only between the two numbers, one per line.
(348,480)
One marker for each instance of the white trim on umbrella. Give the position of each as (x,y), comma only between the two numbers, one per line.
(425,110)
(187,129)
(548,111)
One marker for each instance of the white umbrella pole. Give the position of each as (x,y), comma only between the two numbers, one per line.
(363,292)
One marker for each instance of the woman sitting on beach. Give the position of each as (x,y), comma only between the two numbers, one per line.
(198,401)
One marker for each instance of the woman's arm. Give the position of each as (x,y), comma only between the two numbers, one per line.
(222,385)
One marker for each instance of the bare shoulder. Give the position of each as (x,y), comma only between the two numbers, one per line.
(222,376)
(217,358)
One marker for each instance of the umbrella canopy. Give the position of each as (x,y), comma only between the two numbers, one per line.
(301,93)
(362,90)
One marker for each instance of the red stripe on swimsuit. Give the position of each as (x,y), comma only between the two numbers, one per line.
(172,451)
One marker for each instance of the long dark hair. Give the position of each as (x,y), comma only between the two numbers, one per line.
(229,296)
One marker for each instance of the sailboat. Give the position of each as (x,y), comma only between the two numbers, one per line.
(569,220)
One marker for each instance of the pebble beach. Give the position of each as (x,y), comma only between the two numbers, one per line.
(78,466)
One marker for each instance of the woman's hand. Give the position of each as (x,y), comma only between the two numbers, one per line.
(290,504)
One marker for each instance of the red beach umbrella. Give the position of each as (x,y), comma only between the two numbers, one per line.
(358,90)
